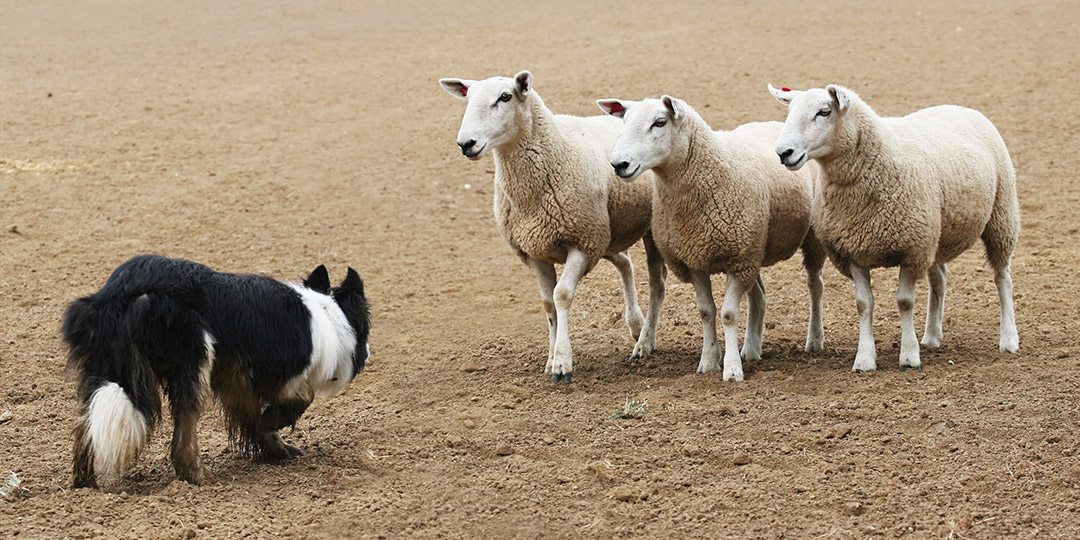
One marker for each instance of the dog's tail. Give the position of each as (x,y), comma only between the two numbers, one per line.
(117,387)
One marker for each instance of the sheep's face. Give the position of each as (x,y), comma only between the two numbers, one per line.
(812,122)
(494,113)
(650,129)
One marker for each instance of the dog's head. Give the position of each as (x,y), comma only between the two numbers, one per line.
(349,296)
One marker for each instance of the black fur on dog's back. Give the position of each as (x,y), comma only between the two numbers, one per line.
(183,326)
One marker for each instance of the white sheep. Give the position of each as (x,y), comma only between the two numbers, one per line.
(721,204)
(914,192)
(558,202)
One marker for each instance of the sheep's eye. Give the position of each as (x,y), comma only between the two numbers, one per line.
(823,113)
(660,122)
(505,97)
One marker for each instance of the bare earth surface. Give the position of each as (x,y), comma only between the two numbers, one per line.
(271,137)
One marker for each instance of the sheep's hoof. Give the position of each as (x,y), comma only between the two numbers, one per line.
(910,362)
(1009,345)
(704,367)
(565,377)
(864,367)
(930,343)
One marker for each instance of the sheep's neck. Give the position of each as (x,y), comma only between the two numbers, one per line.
(523,160)
(703,151)
(862,149)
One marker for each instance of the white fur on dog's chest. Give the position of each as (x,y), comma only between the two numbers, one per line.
(333,343)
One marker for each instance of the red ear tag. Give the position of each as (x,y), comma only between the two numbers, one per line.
(617,108)
(785,89)
(464,91)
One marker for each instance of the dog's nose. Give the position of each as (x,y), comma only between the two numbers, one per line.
(467,145)
(621,166)
(785,155)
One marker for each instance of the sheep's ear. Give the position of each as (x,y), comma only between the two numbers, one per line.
(840,98)
(783,95)
(523,82)
(318,280)
(352,282)
(458,88)
(675,106)
(614,107)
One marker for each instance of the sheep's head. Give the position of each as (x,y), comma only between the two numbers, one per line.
(812,122)
(651,129)
(493,115)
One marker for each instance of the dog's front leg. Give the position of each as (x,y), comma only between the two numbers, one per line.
(287,408)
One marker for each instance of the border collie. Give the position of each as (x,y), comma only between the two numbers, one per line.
(263,347)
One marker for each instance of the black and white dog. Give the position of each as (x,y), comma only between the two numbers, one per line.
(264,348)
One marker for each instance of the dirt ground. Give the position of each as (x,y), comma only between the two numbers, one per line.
(272,137)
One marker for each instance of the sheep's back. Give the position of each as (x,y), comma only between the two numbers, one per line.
(959,153)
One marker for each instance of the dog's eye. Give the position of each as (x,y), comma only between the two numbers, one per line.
(505,97)
(660,122)
(823,113)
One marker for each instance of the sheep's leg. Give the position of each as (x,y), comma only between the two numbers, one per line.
(866,357)
(1009,339)
(935,306)
(813,261)
(755,323)
(577,265)
(905,301)
(729,314)
(545,275)
(646,343)
(815,329)
(631,309)
(710,349)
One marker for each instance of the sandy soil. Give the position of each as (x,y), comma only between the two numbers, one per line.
(267,137)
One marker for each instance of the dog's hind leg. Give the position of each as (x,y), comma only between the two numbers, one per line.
(83,465)
(185,441)
(187,388)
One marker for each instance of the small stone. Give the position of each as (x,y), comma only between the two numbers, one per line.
(799,488)
(6,417)
(839,431)
(623,494)
(469,423)
(742,458)
(785,449)
(189,533)
(854,509)
(726,410)
(471,367)
(503,449)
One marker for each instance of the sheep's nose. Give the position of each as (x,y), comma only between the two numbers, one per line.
(467,145)
(620,166)
(785,155)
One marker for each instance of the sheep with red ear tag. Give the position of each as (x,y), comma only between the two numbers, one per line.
(914,192)
(558,202)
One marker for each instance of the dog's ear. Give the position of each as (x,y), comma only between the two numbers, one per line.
(318,280)
(352,283)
